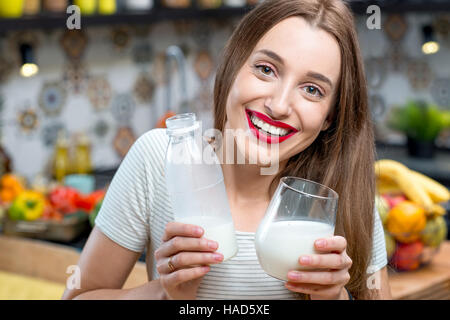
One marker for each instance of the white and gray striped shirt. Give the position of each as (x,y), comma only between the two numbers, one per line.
(136,209)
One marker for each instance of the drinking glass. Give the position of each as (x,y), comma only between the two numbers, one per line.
(300,212)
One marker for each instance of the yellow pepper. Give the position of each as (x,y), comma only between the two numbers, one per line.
(28,205)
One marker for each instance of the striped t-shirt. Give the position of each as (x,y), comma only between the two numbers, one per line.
(137,208)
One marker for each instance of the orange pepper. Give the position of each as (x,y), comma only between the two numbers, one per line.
(11,187)
(7,195)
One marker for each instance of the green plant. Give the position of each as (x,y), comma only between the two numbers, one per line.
(419,120)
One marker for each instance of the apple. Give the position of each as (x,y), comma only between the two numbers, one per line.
(393,200)
(407,256)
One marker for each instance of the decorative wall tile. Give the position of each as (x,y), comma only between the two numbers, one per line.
(99,92)
(395,27)
(76,76)
(376,71)
(419,74)
(123,140)
(28,121)
(74,43)
(203,64)
(123,108)
(52,98)
(50,132)
(144,88)
(440,91)
(377,107)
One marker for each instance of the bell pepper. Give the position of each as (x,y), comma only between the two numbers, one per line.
(10,187)
(64,199)
(89,201)
(28,205)
(51,213)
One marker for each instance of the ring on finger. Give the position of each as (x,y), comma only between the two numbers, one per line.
(170,265)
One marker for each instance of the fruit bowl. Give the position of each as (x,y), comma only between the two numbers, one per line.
(419,248)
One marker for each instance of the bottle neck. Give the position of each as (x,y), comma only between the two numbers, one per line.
(177,138)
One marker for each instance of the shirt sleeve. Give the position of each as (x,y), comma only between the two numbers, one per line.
(123,216)
(379,255)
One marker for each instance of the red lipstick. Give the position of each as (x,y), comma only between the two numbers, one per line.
(268,138)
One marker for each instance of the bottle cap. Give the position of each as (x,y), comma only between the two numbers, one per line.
(181,124)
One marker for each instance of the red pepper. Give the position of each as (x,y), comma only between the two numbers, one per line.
(64,199)
(88,202)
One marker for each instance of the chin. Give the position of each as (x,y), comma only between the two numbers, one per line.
(252,152)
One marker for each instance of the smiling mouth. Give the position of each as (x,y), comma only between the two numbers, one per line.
(268,130)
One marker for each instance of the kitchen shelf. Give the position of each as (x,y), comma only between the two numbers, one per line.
(58,21)
(157,14)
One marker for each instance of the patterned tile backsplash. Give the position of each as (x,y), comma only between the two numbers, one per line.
(108,81)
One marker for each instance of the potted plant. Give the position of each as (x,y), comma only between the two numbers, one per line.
(422,123)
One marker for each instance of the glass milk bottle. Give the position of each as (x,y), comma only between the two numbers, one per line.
(195,183)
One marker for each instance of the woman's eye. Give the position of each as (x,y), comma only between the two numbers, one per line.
(313,91)
(267,71)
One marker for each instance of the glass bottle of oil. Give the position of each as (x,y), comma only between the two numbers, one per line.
(82,157)
(61,160)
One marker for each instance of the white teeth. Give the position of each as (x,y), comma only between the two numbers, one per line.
(267,127)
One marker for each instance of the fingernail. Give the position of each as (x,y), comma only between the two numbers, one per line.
(198,231)
(305,260)
(205,269)
(320,243)
(294,275)
(212,244)
(218,257)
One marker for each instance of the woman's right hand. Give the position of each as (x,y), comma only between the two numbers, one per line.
(189,254)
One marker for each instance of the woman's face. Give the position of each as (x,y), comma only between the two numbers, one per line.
(284,92)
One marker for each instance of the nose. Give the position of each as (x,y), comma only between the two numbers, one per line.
(278,105)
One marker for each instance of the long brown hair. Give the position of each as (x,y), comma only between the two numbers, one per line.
(341,157)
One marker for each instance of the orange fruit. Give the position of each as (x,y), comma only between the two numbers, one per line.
(162,121)
(405,221)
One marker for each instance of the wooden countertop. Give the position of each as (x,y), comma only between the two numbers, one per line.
(431,282)
(43,260)
(48,261)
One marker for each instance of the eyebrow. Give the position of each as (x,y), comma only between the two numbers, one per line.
(310,74)
(320,77)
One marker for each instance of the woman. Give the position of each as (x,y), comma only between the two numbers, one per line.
(295,63)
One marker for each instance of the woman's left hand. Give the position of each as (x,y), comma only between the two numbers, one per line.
(331,272)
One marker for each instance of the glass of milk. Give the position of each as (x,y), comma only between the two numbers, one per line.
(300,212)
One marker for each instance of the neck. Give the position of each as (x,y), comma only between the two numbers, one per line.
(244,182)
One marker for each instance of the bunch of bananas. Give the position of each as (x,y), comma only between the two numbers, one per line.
(394,177)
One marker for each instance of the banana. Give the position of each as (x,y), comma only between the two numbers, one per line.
(437,210)
(390,169)
(436,191)
(388,186)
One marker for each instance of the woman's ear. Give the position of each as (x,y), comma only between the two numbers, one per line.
(326,124)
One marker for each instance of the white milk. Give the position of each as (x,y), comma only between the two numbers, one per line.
(280,247)
(218,230)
